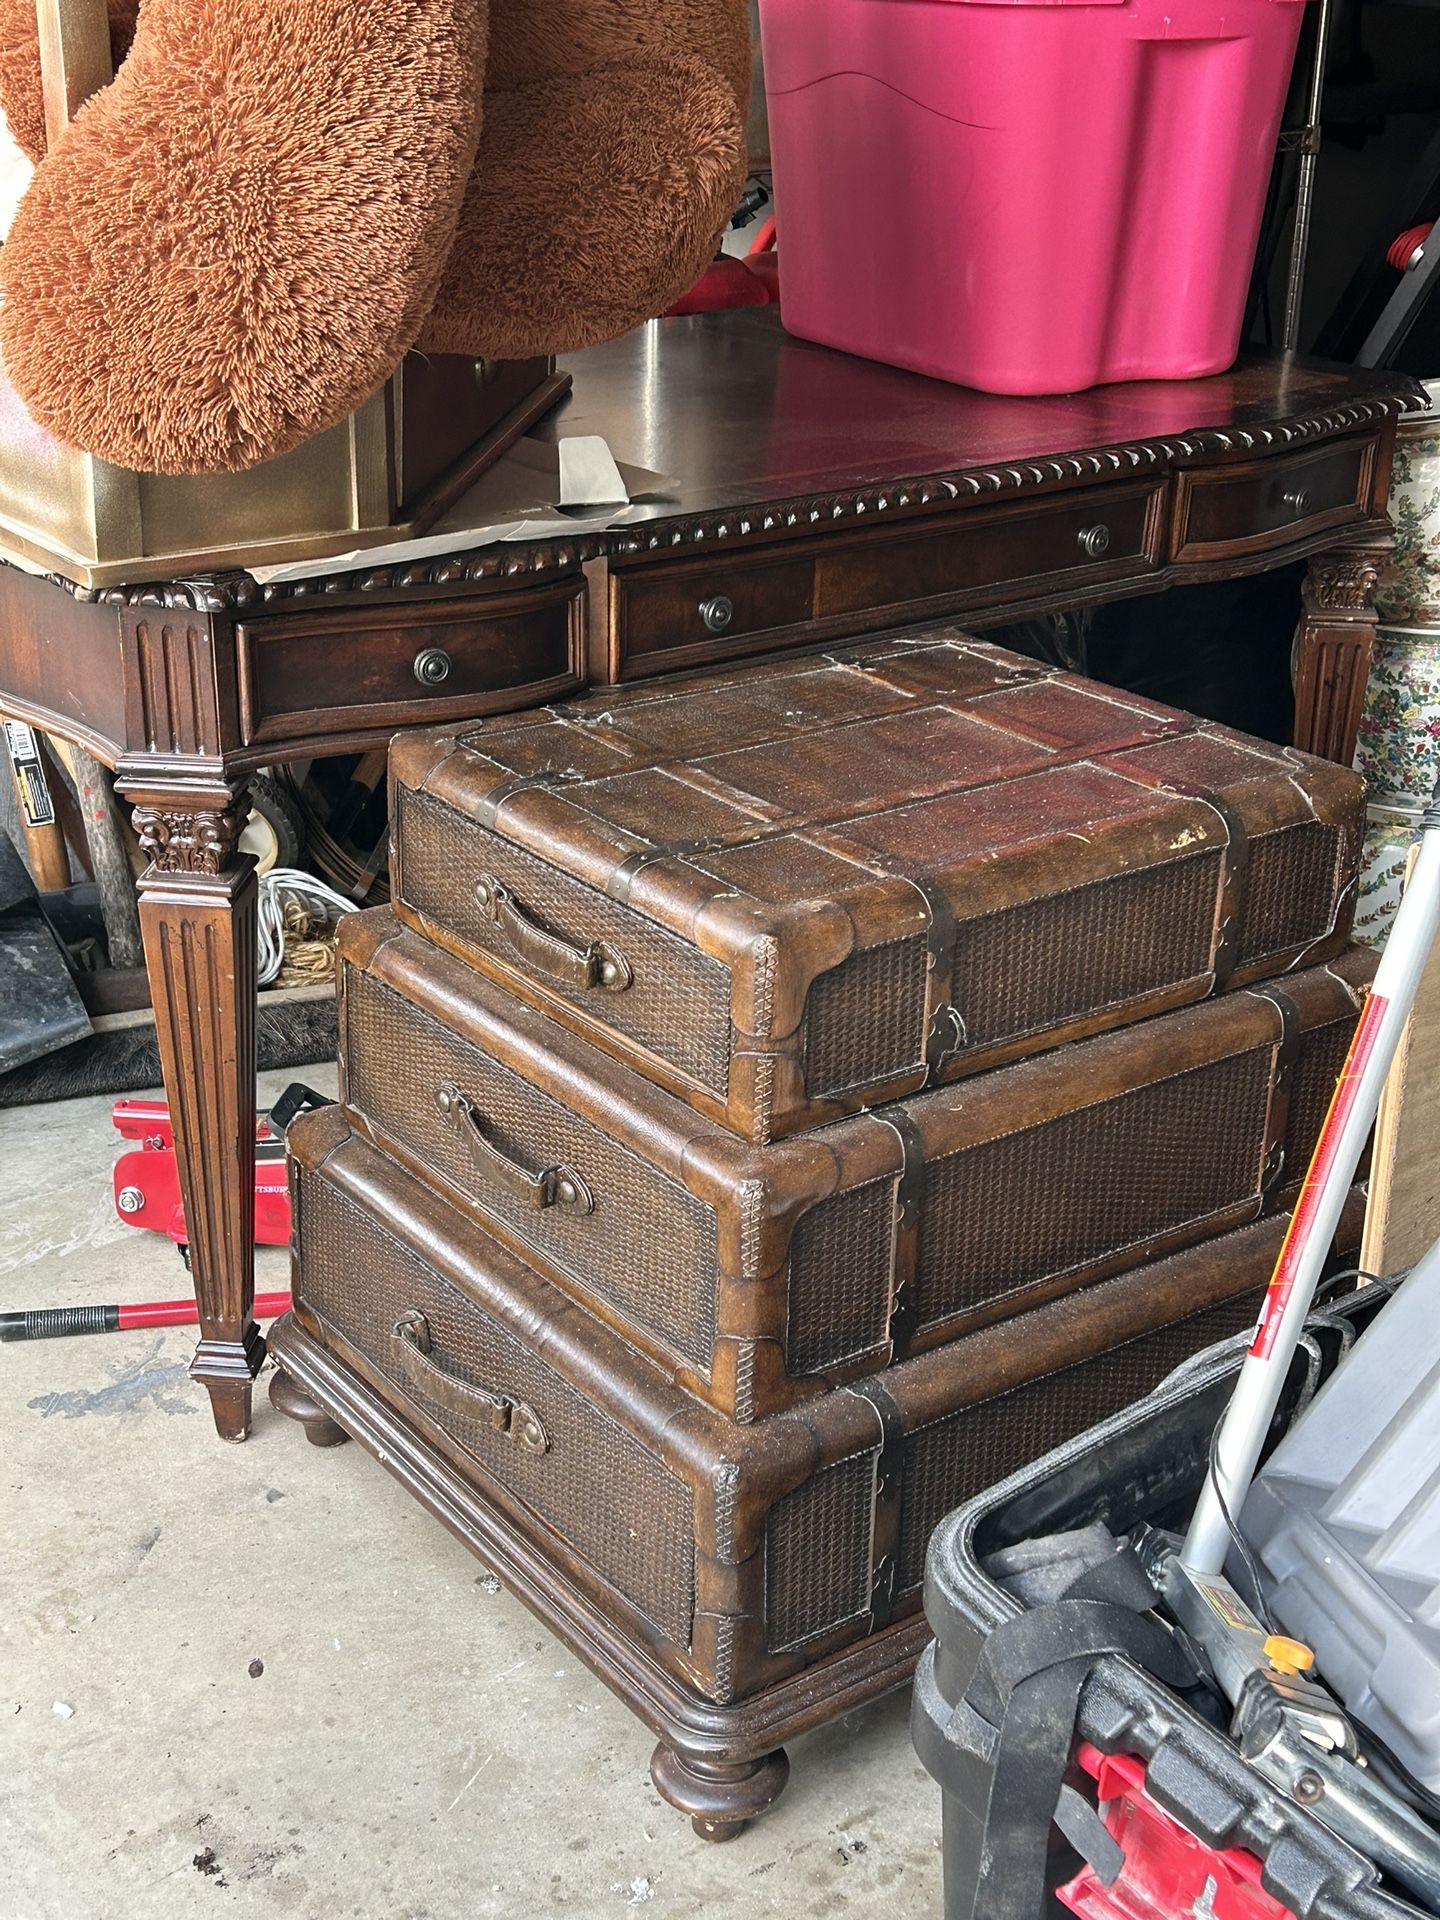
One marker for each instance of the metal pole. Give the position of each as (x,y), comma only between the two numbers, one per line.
(1305,183)
(1317,1211)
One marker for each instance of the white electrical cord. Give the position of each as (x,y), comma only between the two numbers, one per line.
(276,887)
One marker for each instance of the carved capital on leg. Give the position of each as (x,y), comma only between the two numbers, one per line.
(179,841)
(197,915)
(1333,646)
(1344,581)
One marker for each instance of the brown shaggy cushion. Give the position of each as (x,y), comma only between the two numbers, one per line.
(572,38)
(238,239)
(20,66)
(612,157)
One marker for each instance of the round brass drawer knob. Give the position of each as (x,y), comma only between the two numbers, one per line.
(432,666)
(1095,540)
(1297,500)
(717,612)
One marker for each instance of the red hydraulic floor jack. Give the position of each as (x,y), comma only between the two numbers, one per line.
(147,1179)
(147,1194)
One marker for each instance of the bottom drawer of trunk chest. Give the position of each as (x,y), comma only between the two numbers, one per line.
(734,1556)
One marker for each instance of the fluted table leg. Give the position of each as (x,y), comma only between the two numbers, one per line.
(197,916)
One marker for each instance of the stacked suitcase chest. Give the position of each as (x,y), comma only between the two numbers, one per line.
(780,1103)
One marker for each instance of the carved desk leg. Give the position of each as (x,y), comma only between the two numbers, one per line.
(197,915)
(1333,649)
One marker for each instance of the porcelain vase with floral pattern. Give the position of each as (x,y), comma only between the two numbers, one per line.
(1409,589)
(1398,749)
(1390,834)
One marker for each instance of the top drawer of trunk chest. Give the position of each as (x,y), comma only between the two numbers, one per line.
(788,892)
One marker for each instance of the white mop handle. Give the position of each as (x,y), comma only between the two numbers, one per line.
(1317,1211)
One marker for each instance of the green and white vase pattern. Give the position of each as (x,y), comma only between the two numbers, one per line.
(1390,833)
(1398,748)
(1409,589)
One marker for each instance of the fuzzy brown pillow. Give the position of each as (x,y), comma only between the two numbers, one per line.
(20,96)
(612,157)
(235,243)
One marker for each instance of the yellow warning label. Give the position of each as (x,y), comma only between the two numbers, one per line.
(1224,1600)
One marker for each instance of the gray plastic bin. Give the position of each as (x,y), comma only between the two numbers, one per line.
(1345,1521)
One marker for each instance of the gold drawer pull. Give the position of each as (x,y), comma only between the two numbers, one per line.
(557,1186)
(502,1412)
(585,968)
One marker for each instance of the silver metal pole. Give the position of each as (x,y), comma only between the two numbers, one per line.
(1305,183)
(1317,1211)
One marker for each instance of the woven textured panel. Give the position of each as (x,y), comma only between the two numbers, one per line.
(1290,892)
(817,1554)
(648,1250)
(955,1458)
(865,1019)
(1027,968)
(616,1505)
(1056,1198)
(1312,1087)
(679,1003)
(840,1259)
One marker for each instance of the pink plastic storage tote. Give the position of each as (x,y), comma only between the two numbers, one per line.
(1028,196)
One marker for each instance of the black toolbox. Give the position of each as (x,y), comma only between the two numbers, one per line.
(1144,1464)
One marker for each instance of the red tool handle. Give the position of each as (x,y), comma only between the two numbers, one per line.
(54,1323)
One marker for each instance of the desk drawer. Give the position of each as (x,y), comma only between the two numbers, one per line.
(341,671)
(675,614)
(1269,502)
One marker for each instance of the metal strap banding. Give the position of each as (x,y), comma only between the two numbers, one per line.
(1235,890)
(909,1209)
(491,804)
(1287,1055)
(889,1472)
(944,1024)
(622,879)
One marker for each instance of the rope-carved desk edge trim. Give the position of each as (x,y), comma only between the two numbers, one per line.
(236,591)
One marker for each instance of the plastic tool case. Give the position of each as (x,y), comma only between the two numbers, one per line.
(758,1275)
(1145,1463)
(729,1557)
(788,892)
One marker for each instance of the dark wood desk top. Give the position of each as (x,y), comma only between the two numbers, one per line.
(742,415)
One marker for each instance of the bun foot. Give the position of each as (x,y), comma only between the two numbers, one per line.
(721,1797)
(293,1401)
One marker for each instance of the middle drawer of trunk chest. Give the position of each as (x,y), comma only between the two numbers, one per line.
(759,1275)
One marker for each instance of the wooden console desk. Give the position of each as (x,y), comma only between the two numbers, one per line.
(818,497)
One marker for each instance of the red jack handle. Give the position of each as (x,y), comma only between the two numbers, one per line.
(54,1323)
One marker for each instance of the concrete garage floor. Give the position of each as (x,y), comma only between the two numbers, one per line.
(415,1748)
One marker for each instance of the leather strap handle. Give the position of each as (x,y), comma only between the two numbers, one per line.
(410,1346)
(583,968)
(557,1186)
